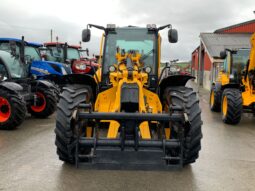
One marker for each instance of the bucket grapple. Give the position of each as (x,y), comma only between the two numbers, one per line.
(135,119)
(144,149)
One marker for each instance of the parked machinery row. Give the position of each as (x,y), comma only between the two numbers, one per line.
(20,92)
(30,83)
(121,112)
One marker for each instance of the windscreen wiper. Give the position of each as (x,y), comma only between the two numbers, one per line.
(146,55)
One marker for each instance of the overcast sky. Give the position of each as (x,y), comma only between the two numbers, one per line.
(34,19)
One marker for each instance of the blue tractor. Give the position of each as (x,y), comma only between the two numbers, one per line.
(48,70)
(21,92)
(57,73)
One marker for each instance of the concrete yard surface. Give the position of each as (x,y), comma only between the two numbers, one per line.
(28,161)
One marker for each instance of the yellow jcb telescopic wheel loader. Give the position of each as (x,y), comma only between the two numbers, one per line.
(233,93)
(127,116)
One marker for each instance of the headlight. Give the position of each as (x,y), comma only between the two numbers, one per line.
(147,69)
(112,69)
(63,71)
(80,66)
(231,76)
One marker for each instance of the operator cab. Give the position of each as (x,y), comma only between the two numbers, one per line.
(11,67)
(235,63)
(142,41)
(17,56)
(61,52)
(134,45)
(31,49)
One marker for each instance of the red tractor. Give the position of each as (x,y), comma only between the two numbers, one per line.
(71,54)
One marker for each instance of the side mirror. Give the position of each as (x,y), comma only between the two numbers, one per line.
(28,59)
(56,54)
(68,61)
(65,51)
(223,54)
(58,46)
(87,50)
(172,36)
(86,35)
(13,48)
(34,77)
(49,51)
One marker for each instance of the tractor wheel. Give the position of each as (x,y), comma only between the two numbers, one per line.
(56,89)
(65,130)
(12,110)
(215,99)
(46,103)
(231,106)
(187,98)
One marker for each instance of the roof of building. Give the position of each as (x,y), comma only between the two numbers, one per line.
(215,43)
(221,30)
(196,49)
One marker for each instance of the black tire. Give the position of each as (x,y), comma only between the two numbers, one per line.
(17,109)
(234,110)
(215,102)
(50,103)
(56,89)
(65,124)
(187,98)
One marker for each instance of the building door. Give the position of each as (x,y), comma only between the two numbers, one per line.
(217,68)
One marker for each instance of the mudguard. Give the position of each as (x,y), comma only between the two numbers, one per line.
(232,85)
(174,80)
(83,79)
(217,86)
(42,83)
(73,79)
(70,79)
(11,86)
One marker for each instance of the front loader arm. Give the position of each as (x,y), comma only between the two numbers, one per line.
(250,75)
(252,54)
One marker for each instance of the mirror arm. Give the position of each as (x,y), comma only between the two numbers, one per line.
(165,26)
(22,50)
(96,26)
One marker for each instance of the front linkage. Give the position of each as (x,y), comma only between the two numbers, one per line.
(126,153)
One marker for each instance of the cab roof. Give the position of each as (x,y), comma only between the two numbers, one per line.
(61,43)
(19,40)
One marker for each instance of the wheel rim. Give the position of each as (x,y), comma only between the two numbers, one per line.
(42,103)
(225,106)
(5,110)
(212,98)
